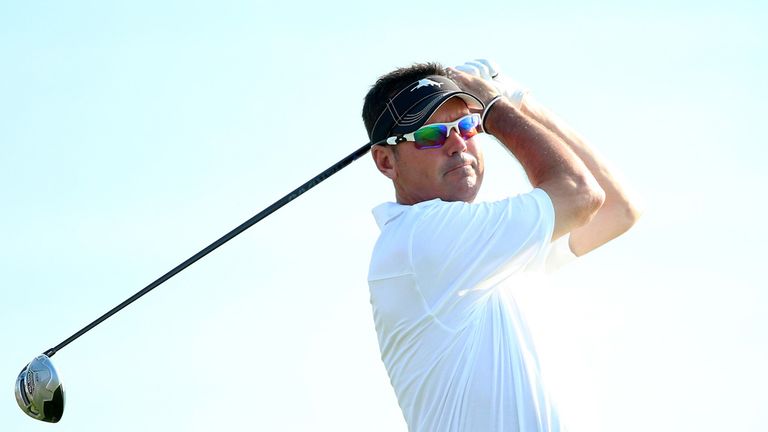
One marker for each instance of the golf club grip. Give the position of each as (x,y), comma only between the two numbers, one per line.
(338,166)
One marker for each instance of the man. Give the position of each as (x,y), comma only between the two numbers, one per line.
(456,349)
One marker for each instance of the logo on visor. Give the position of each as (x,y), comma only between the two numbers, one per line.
(426,82)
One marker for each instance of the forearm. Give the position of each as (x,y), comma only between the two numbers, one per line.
(617,213)
(549,163)
(541,153)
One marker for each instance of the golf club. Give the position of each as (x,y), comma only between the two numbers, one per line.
(38,388)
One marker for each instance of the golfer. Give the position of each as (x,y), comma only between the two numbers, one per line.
(457,351)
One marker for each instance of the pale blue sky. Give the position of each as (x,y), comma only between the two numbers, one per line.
(133,134)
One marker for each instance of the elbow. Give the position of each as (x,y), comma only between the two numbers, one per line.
(627,215)
(591,197)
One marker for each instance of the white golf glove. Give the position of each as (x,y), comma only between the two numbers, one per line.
(489,71)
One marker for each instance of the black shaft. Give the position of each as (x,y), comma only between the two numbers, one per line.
(227,237)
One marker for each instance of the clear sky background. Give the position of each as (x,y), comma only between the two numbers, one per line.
(134,133)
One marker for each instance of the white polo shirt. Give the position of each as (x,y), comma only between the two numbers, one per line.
(456,348)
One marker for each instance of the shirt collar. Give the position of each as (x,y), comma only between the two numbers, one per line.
(383,213)
(388,211)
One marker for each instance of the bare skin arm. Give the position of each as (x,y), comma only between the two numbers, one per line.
(617,213)
(549,163)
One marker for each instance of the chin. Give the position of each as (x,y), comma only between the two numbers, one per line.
(467,192)
(474,188)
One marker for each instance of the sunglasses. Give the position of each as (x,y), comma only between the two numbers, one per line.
(434,135)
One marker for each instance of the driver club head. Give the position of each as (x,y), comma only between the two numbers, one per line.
(39,392)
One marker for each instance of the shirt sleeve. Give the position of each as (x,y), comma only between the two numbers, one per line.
(560,254)
(458,246)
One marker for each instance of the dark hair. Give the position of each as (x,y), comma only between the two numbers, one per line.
(388,85)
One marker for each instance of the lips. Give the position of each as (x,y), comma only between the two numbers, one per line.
(465,163)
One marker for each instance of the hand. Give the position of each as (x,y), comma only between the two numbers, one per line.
(485,68)
(475,85)
(490,71)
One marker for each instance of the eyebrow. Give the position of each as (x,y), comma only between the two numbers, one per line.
(466,113)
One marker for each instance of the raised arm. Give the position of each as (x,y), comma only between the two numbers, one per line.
(617,213)
(549,163)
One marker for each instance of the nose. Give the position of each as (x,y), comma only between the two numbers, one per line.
(455,143)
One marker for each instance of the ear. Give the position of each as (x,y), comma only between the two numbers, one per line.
(384,157)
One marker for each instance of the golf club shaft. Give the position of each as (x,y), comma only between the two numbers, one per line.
(338,166)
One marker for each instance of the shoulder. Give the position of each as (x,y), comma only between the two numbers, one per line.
(534,205)
(468,228)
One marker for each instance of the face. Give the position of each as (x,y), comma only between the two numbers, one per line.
(453,172)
